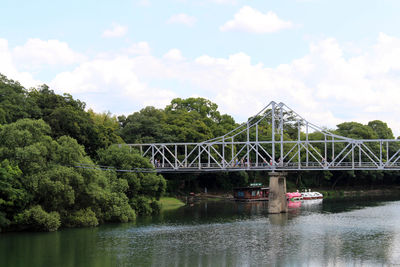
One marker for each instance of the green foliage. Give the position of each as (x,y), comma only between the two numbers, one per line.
(356,130)
(107,127)
(137,185)
(47,139)
(64,114)
(14,103)
(184,120)
(12,195)
(202,106)
(35,218)
(146,126)
(155,207)
(38,170)
(381,129)
(142,205)
(83,217)
(117,209)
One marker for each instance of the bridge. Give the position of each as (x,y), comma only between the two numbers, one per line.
(289,143)
(241,149)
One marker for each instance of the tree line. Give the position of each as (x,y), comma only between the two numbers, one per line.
(49,143)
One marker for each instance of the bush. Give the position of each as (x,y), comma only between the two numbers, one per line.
(117,209)
(83,217)
(142,205)
(156,207)
(4,222)
(35,218)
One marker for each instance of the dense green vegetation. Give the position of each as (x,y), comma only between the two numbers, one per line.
(49,141)
(45,140)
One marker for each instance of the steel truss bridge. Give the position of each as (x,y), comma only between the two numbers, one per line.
(292,144)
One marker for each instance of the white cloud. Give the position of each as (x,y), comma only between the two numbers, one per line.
(106,82)
(8,67)
(327,85)
(324,86)
(36,53)
(182,19)
(251,20)
(174,54)
(116,30)
(140,48)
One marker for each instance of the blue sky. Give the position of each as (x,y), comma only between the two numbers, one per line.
(332,61)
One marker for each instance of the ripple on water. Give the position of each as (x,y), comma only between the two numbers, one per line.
(366,236)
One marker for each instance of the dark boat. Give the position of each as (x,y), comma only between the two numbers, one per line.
(254,192)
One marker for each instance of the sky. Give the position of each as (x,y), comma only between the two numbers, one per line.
(330,61)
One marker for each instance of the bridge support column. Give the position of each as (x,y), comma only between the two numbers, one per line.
(277,202)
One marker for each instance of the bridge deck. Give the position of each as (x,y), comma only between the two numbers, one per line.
(311,166)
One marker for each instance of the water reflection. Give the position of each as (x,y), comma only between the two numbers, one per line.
(363,232)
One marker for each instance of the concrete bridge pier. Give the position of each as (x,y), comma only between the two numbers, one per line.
(277,202)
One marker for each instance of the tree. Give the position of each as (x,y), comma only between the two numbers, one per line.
(381,129)
(14,103)
(12,195)
(107,127)
(202,106)
(142,188)
(145,126)
(55,191)
(356,130)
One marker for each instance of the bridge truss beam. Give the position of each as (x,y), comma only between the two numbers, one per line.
(241,149)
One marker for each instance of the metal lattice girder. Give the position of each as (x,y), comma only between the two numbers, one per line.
(225,153)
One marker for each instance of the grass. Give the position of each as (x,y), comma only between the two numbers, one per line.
(170,203)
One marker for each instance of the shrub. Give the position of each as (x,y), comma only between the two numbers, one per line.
(142,205)
(156,207)
(82,217)
(35,218)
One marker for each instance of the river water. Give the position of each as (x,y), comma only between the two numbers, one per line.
(357,232)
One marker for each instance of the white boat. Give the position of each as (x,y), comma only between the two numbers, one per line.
(308,195)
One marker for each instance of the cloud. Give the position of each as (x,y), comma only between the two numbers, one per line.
(140,48)
(327,85)
(174,54)
(36,53)
(254,21)
(8,67)
(182,19)
(115,31)
(103,83)
(324,86)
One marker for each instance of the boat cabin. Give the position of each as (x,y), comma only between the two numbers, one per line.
(253,192)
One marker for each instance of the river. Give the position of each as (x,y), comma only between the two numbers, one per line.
(341,232)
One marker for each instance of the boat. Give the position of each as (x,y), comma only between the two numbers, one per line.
(254,192)
(258,192)
(308,195)
(294,196)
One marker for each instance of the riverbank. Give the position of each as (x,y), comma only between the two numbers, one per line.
(342,193)
(170,203)
(328,194)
